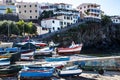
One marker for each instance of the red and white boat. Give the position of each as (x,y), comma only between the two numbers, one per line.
(27,54)
(73,49)
(36,43)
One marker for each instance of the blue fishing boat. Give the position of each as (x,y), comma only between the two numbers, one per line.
(2,51)
(36,72)
(12,50)
(52,59)
(4,61)
(69,71)
(9,71)
(46,51)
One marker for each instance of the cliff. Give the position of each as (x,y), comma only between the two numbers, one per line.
(93,36)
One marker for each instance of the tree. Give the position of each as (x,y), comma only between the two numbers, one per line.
(105,20)
(21,26)
(8,10)
(45,14)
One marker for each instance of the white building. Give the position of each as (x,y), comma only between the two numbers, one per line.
(63,6)
(27,11)
(67,20)
(115,19)
(52,24)
(46,7)
(41,30)
(89,10)
(67,12)
(8,1)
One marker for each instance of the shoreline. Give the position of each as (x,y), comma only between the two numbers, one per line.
(86,75)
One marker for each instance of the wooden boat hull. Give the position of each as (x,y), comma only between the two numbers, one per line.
(26,58)
(27,53)
(44,52)
(36,72)
(67,51)
(4,45)
(4,61)
(9,71)
(69,72)
(12,50)
(52,59)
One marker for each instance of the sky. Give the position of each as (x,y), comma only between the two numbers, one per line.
(110,7)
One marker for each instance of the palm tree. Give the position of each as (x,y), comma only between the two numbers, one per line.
(8,10)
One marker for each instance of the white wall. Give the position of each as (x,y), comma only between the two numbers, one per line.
(114,20)
(65,6)
(64,19)
(49,24)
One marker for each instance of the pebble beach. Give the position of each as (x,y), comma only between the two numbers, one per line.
(87,75)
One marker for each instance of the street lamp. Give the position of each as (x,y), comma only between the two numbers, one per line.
(23,31)
(8,32)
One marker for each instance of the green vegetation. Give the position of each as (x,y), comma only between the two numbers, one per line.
(105,20)
(17,28)
(46,14)
(8,10)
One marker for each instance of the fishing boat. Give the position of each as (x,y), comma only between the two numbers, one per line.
(57,65)
(36,43)
(9,71)
(36,72)
(3,53)
(69,71)
(62,58)
(4,61)
(70,50)
(12,50)
(46,51)
(27,54)
(6,44)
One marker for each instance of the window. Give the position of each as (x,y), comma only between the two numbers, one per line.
(64,23)
(88,6)
(19,11)
(35,10)
(80,7)
(84,6)
(68,24)
(64,17)
(68,17)
(30,11)
(74,21)
(24,5)
(30,17)
(35,5)
(61,23)
(35,16)
(53,28)
(61,27)
(25,11)
(19,6)
(58,28)
(30,6)
(67,6)
(53,21)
